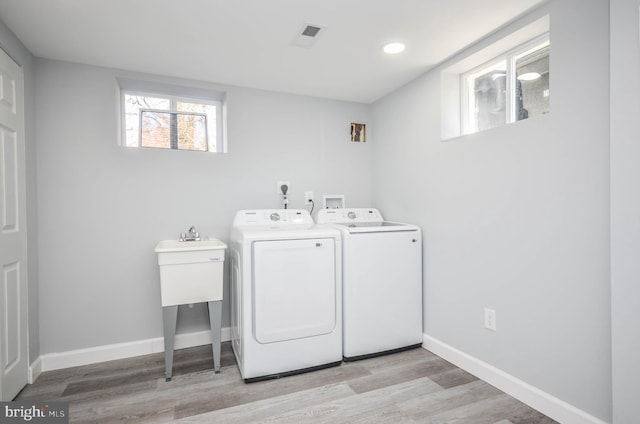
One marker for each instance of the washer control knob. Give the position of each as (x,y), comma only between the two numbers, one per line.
(351,215)
(275,216)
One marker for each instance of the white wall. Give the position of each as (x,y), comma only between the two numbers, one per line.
(625,208)
(19,53)
(516,218)
(103,207)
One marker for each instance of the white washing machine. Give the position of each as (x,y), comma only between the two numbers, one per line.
(286,293)
(381,280)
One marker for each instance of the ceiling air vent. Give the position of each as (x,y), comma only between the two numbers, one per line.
(308,36)
(311,31)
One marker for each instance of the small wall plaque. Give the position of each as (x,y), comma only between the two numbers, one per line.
(358,132)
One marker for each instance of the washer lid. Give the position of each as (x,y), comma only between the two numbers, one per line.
(372,224)
(375,227)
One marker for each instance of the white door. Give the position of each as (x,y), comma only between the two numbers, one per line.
(294,289)
(13,235)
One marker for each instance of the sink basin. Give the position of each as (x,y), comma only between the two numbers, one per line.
(190,271)
(183,246)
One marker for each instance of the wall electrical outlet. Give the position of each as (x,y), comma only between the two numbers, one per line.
(490,319)
(308,197)
(281,183)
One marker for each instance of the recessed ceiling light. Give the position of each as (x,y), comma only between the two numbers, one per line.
(394,48)
(529,76)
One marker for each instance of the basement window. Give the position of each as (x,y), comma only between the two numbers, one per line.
(510,88)
(169,122)
(497,82)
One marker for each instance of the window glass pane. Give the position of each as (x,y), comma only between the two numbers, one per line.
(189,107)
(167,130)
(132,105)
(210,112)
(192,132)
(488,98)
(532,83)
(156,129)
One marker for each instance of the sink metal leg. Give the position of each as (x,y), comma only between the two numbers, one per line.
(215,318)
(169,317)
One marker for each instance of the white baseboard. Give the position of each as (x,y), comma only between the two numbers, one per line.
(74,358)
(34,370)
(549,405)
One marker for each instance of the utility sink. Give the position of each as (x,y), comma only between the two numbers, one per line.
(190,271)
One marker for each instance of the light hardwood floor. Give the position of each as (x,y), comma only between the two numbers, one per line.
(415,386)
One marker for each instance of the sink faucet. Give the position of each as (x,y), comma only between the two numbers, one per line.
(192,235)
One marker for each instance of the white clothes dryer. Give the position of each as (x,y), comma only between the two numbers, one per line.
(381,280)
(286,293)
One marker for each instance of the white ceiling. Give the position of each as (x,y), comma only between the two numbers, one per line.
(250,43)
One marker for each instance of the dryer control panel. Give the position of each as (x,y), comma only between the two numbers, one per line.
(281,217)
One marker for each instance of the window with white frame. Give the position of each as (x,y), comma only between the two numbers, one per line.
(509,88)
(156,120)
